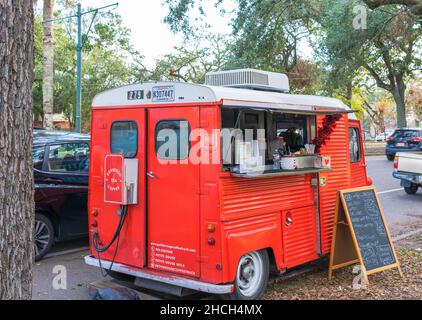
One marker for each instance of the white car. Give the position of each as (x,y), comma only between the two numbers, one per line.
(381,137)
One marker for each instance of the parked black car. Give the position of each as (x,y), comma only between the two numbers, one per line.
(61,163)
(403,140)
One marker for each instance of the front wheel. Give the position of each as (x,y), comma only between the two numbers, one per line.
(43,237)
(390,157)
(252,276)
(412,189)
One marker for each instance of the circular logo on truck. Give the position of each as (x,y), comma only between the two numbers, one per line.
(114,180)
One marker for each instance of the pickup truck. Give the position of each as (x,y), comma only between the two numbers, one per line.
(408,168)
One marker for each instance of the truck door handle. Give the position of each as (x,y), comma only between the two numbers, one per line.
(151,175)
(289,219)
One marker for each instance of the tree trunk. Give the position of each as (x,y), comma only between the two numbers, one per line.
(399,98)
(16,169)
(349,91)
(382,122)
(48,65)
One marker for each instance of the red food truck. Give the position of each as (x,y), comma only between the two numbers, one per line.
(210,187)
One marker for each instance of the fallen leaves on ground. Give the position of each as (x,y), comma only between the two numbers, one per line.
(383,286)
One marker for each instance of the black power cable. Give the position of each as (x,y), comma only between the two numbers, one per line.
(116,237)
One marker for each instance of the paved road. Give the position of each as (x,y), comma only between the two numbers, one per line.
(403,213)
(78,276)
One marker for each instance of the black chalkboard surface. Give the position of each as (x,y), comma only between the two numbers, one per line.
(369,228)
(360,234)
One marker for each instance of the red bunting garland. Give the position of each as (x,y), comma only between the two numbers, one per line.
(324,132)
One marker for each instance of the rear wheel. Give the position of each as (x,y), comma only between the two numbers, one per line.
(412,189)
(251,276)
(43,236)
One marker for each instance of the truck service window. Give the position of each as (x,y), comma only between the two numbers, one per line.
(354,145)
(284,122)
(124,138)
(172,139)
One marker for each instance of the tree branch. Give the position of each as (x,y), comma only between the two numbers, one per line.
(414,5)
(380,82)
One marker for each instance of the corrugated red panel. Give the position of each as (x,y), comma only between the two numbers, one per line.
(299,238)
(250,200)
(339,178)
(242,198)
(358,177)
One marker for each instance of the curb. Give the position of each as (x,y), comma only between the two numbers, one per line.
(407,235)
(65,252)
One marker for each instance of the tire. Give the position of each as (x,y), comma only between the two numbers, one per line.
(412,189)
(390,157)
(43,236)
(251,276)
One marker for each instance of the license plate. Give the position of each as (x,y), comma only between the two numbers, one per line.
(400,144)
(163,94)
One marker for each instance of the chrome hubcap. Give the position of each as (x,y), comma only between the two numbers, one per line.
(249,273)
(42,237)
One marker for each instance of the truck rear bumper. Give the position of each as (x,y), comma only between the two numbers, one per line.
(408,178)
(169,279)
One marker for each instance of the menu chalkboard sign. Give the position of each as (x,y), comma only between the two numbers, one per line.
(361,234)
(371,232)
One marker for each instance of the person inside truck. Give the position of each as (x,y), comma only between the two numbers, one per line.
(293,139)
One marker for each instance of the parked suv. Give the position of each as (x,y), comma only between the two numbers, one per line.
(61,163)
(403,140)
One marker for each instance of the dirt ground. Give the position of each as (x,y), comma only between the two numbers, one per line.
(386,285)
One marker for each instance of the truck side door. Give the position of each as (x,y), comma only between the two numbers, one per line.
(173,192)
(356,155)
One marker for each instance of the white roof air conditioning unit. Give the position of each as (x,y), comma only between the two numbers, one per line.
(249,79)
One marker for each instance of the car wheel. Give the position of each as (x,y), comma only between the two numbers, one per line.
(390,157)
(412,189)
(43,236)
(251,277)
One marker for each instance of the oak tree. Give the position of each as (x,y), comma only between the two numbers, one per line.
(16,169)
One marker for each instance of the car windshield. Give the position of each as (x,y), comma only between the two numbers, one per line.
(400,134)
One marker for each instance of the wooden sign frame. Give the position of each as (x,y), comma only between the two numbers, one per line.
(344,237)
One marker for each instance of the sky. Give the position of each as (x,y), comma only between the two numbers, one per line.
(150,35)
(153,38)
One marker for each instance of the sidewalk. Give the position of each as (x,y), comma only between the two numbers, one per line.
(375,148)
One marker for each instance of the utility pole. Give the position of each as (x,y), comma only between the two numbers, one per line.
(79,47)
